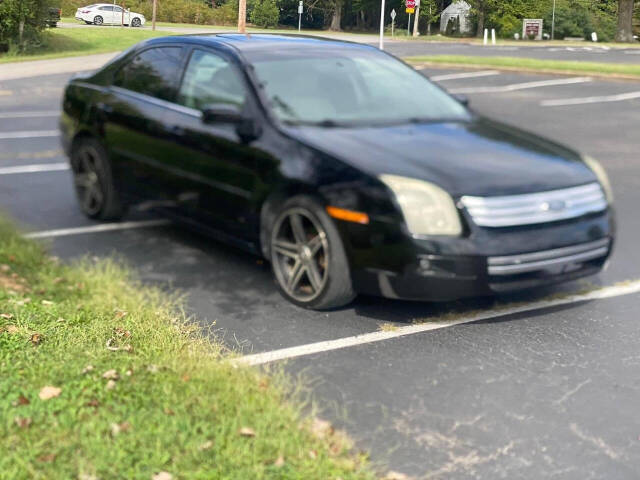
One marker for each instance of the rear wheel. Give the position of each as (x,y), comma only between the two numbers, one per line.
(308,257)
(136,22)
(98,20)
(93,181)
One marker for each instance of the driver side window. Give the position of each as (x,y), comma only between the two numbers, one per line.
(210,79)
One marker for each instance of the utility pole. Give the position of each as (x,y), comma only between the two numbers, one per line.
(242,16)
(381,41)
(416,20)
(153,14)
(553,20)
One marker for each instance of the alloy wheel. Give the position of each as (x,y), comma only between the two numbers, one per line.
(135,22)
(300,254)
(98,20)
(87,181)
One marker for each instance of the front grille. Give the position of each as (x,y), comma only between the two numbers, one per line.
(533,208)
(556,258)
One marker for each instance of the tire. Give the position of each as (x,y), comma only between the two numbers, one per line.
(136,22)
(307,256)
(93,181)
(98,20)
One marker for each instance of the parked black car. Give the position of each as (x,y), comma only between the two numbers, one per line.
(347,169)
(54,17)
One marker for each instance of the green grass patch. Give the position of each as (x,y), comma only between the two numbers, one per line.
(134,389)
(69,42)
(523,64)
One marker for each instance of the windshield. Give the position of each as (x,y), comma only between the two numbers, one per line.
(351,86)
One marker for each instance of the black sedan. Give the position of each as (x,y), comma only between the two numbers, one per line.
(343,166)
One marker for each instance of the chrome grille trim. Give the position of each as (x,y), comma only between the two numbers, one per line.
(533,208)
(531,262)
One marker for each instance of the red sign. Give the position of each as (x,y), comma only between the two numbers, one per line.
(410,3)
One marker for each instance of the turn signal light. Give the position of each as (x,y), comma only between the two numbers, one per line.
(348,215)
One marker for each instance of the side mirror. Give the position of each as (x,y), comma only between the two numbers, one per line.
(221,113)
(247,128)
(462,99)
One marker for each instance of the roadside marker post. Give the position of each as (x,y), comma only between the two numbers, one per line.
(493,36)
(300,9)
(393,21)
(486,36)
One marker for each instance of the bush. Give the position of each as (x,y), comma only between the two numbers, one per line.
(265,13)
(21,23)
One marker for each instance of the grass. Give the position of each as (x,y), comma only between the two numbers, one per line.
(531,64)
(134,389)
(71,42)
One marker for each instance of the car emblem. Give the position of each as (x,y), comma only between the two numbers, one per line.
(554,206)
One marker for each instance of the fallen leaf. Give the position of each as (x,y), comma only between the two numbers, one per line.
(313,454)
(185,378)
(111,375)
(22,400)
(87,369)
(152,368)
(11,329)
(36,339)
(206,445)
(264,384)
(49,457)
(22,422)
(4,267)
(60,320)
(162,476)
(7,316)
(49,392)
(111,384)
(396,476)
(121,332)
(93,403)
(121,314)
(279,462)
(168,411)
(247,432)
(118,428)
(46,302)
(321,428)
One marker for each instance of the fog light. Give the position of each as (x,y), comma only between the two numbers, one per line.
(425,264)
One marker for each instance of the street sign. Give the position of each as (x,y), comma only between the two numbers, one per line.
(410,10)
(300,9)
(393,14)
(410,3)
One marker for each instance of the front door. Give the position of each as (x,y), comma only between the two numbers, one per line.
(221,178)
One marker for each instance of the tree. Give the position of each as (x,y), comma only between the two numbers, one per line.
(265,13)
(481,8)
(430,11)
(625,21)
(21,22)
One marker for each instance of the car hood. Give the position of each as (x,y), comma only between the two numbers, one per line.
(478,157)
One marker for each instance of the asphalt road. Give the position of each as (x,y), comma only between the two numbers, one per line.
(589,52)
(552,393)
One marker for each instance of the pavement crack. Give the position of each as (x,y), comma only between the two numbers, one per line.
(597,442)
(570,393)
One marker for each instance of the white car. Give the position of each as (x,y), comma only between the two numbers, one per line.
(109,14)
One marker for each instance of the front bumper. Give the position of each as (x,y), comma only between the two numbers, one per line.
(486,262)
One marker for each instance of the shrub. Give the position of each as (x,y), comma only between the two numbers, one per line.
(21,22)
(265,13)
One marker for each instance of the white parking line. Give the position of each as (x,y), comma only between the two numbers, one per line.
(457,76)
(48,113)
(105,227)
(584,100)
(29,134)
(521,86)
(37,168)
(366,338)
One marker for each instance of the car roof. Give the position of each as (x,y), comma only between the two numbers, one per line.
(261,41)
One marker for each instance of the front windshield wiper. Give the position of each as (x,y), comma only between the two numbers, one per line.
(284,106)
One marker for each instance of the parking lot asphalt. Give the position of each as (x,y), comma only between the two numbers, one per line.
(551,393)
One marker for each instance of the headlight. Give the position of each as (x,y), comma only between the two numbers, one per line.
(603,178)
(427,209)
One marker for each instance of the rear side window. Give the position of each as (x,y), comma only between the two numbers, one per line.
(154,72)
(106,9)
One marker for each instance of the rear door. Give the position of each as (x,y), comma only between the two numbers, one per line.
(134,114)
(106,13)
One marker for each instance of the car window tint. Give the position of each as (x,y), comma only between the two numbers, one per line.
(210,79)
(153,72)
(106,9)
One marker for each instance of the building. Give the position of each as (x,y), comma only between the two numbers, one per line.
(460,10)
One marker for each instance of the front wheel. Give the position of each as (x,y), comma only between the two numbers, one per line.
(136,22)
(308,258)
(93,181)
(98,20)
